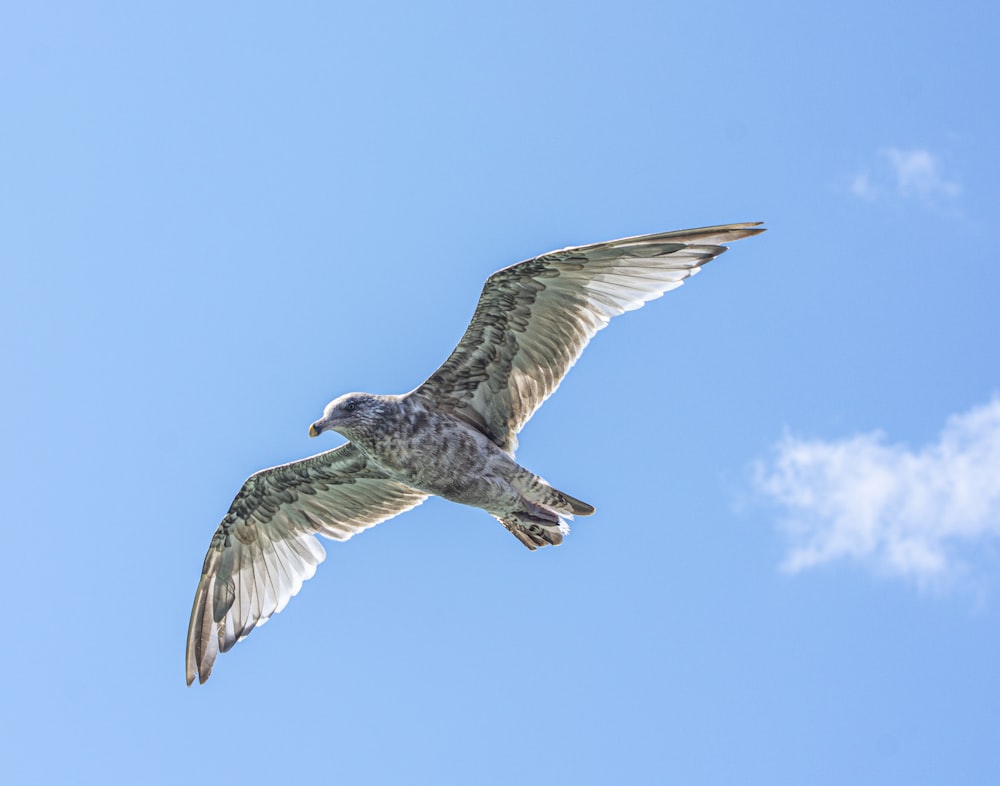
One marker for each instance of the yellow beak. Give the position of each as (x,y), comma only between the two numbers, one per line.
(313,431)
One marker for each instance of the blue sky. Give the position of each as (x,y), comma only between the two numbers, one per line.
(216,219)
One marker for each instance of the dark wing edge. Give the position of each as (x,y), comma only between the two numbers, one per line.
(265,547)
(535,318)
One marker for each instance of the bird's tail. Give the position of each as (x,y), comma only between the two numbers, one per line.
(541,521)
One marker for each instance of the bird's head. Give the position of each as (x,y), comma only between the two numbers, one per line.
(348,414)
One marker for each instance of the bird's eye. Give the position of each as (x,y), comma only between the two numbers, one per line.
(351,406)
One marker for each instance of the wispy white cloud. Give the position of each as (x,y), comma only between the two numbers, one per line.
(862,186)
(918,174)
(920,514)
(915,174)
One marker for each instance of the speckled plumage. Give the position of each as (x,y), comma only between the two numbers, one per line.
(454,436)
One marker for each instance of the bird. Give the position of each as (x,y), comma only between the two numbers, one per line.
(453,436)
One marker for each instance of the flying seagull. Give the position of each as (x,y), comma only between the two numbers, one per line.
(453,436)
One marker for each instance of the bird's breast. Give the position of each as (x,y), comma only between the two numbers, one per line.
(444,456)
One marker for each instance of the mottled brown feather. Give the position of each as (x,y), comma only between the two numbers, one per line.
(266,547)
(534,319)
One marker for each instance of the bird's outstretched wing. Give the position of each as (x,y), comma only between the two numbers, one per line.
(535,318)
(265,546)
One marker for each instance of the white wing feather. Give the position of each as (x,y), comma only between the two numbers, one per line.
(535,318)
(266,547)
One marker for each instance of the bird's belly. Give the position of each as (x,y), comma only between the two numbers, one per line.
(458,464)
